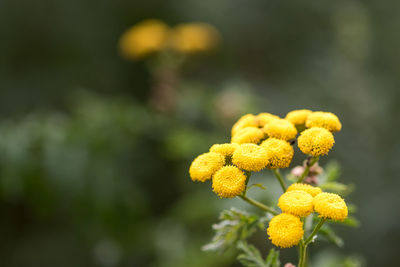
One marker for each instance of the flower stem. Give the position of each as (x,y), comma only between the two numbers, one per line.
(315,231)
(258,204)
(280,179)
(312,161)
(303,255)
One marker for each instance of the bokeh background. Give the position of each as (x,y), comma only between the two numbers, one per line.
(92,175)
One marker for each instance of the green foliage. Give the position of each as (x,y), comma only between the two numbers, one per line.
(234,225)
(251,256)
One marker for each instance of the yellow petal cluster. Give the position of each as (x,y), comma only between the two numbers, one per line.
(331,206)
(250,157)
(248,135)
(229,182)
(298,117)
(299,203)
(224,149)
(280,153)
(248,120)
(312,190)
(285,230)
(325,120)
(205,165)
(144,38)
(280,129)
(315,141)
(264,118)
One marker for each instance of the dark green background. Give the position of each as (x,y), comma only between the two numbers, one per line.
(92,176)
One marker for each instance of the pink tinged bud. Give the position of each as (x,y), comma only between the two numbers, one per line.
(297,171)
(312,179)
(289,265)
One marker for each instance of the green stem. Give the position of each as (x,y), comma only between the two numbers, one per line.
(307,169)
(303,255)
(315,231)
(280,179)
(258,205)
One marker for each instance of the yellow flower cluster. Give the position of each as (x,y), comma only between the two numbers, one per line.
(153,35)
(300,200)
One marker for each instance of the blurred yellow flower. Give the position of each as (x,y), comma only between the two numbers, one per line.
(194,37)
(298,117)
(229,182)
(280,129)
(325,120)
(205,165)
(299,203)
(315,141)
(312,190)
(264,118)
(250,157)
(143,39)
(248,120)
(224,149)
(330,206)
(285,230)
(280,153)
(248,135)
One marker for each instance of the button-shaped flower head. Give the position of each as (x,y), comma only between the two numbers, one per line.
(224,149)
(250,157)
(298,117)
(312,190)
(248,135)
(280,129)
(229,182)
(205,165)
(297,202)
(331,206)
(315,141)
(285,230)
(325,120)
(280,153)
(248,120)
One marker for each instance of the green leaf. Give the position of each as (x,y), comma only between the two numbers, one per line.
(332,171)
(234,225)
(327,232)
(338,188)
(251,256)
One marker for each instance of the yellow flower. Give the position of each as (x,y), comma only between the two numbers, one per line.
(312,190)
(280,153)
(264,118)
(143,39)
(229,181)
(248,135)
(325,120)
(224,149)
(315,141)
(298,117)
(194,37)
(280,129)
(285,230)
(330,206)
(205,165)
(296,202)
(248,120)
(250,157)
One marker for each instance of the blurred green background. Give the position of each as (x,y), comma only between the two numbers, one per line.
(92,175)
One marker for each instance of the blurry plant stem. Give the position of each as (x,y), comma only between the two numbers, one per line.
(310,163)
(280,179)
(258,204)
(304,244)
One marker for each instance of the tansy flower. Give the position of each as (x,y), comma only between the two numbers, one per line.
(285,230)
(224,149)
(264,118)
(280,129)
(312,190)
(330,206)
(250,157)
(315,141)
(229,182)
(248,120)
(296,202)
(298,117)
(194,37)
(248,135)
(325,120)
(205,165)
(280,153)
(143,39)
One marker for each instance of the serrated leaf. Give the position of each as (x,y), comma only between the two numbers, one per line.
(235,225)
(338,188)
(251,256)
(327,232)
